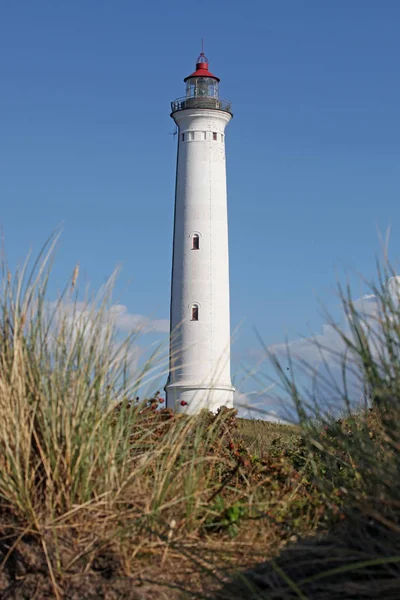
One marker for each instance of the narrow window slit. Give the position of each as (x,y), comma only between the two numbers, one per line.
(196,242)
(195,312)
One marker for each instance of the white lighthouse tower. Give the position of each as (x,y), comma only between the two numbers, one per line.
(199,366)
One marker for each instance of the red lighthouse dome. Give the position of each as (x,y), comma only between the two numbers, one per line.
(202,69)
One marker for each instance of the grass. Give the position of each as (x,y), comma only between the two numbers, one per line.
(104,498)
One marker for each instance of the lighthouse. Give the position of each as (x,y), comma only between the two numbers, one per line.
(199,361)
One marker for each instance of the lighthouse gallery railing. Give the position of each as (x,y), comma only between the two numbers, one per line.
(201,102)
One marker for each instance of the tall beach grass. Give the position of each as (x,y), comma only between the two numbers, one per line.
(90,477)
(85,470)
(354,457)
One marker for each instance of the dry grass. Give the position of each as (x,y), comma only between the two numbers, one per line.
(101,499)
(86,479)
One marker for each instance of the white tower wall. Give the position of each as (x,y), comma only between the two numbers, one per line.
(200,350)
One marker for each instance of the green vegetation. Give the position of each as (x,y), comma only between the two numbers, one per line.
(104,498)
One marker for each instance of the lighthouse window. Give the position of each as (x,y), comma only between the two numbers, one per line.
(195,312)
(183,137)
(215,136)
(205,135)
(191,135)
(195,242)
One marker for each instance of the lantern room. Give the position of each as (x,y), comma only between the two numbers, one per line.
(202,90)
(202,83)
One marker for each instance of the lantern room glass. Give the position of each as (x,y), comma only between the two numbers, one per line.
(204,87)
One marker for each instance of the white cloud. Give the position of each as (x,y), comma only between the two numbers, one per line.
(117,314)
(317,360)
(394,289)
(329,343)
(126,321)
(259,405)
(92,326)
(101,327)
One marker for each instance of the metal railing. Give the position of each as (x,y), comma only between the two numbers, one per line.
(201,102)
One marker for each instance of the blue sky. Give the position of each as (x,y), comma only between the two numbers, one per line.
(313,150)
